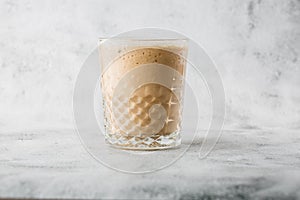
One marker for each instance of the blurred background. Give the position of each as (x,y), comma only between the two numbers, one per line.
(255,44)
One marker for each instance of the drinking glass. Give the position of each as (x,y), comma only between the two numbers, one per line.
(142,85)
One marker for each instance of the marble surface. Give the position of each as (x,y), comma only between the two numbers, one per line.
(253,164)
(255,44)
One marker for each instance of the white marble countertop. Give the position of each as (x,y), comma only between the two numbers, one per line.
(255,45)
(244,164)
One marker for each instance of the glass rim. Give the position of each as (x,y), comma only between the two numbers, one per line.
(142,39)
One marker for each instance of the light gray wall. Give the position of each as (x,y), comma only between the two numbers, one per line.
(254,43)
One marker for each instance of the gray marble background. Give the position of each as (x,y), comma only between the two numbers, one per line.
(255,45)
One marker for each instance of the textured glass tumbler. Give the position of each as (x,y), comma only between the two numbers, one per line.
(142,84)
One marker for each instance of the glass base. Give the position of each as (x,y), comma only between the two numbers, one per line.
(154,142)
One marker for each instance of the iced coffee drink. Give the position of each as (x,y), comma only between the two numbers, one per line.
(142,86)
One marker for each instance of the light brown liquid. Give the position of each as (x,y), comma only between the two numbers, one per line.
(147,95)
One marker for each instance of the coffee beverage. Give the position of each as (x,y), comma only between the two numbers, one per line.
(159,63)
